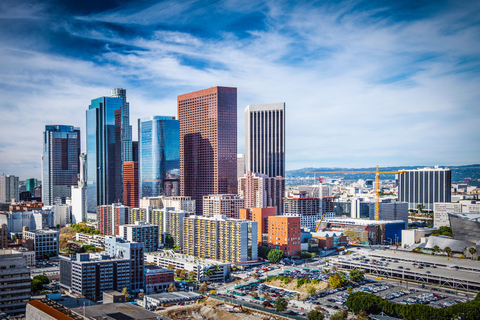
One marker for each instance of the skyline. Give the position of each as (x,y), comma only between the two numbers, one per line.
(364,82)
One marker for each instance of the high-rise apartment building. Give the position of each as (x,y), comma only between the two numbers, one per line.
(127,152)
(208,143)
(179,203)
(130,184)
(307,208)
(15,280)
(8,188)
(159,153)
(228,205)
(3,236)
(220,238)
(261,191)
(30,185)
(141,232)
(79,193)
(265,139)
(107,144)
(111,217)
(60,162)
(284,233)
(134,251)
(425,186)
(261,216)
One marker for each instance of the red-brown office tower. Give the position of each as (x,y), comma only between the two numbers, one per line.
(208,143)
(130,184)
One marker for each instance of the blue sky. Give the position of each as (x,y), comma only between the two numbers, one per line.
(365,82)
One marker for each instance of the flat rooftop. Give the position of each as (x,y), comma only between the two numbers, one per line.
(173,296)
(184,258)
(362,222)
(118,311)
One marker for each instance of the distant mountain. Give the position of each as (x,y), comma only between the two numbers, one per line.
(459,173)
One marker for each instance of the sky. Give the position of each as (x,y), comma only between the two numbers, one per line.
(365,82)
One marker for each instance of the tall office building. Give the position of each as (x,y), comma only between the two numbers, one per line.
(130,184)
(208,143)
(159,156)
(265,139)
(106,150)
(8,188)
(79,193)
(30,185)
(127,150)
(60,162)
(240,165)
(425,186)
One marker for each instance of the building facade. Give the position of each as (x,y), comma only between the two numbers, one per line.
(425,186)
(157,279)
(79,193)
(60,162)
(261,191)
(134,252)
(30,185)
(265,139)
(284,233)
(45,242)
(126,130)
(105,143)
(240,165)
(15,279)
(130,184)
(307,208)
(8,188)
(220,238)
(159,153)
(141,232)
(228,205)
(259,215)
(442,209)
(111,217)
(208,143)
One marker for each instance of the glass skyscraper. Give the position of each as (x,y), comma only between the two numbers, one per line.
(105,118)
(159,156)
(60,162)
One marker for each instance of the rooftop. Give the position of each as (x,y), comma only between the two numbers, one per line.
(362,222)
(118,311)
(174,296)
(172,255)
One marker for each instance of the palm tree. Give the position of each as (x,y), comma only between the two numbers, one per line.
(472,251)
(448,251)
(436,249)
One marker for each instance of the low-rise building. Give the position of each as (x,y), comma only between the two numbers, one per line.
(284,233)
(45,242)
(157,279)
(330,240)
(220,272)
(15,284)
(161,299)
(97,240)
(412,236)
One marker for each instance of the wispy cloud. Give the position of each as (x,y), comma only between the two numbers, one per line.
(363,83)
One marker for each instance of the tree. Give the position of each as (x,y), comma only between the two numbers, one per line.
(203,288)
(141,295)
(125,293)
(357,275)
(169,242)
(337,280)
(184,274)
(177,272)
(254,294)
(172,288)
(192,275)
(275,255)
(280,304)
(311,290)
(267,296)
(315,315)
(255,275)
(36,285)
(472,251)
(436,248)
(263,251)
(42,278)
(420,208)
(298,296)
(170,267)
(448,251)
(339,315)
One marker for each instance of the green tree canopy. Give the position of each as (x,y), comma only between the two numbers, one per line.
(357,275)
(263,251)
(42,278)
(339,315)
(275,255)
(315,315)
(280,304)
(36,285)
(337,280)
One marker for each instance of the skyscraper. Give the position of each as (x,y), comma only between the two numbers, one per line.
(127,153)
(30,185)
(265,139)
(8,188)
(60,162)
(159,156)
(105,150)
(130,184)
(261,191)
(208,143)
(425,186)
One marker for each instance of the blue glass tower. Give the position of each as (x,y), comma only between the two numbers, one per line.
(60,162)
(104,152)
(159,156)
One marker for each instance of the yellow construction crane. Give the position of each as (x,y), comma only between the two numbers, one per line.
(377,183)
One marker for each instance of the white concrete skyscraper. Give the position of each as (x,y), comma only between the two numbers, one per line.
(265,139)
